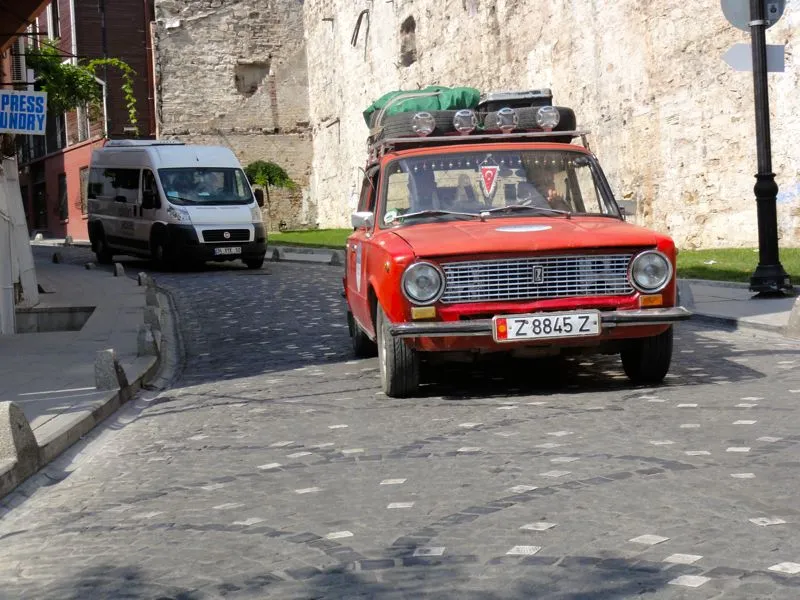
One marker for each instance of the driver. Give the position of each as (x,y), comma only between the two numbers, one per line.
(546,188)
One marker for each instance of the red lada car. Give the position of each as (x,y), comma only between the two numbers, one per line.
(501,242)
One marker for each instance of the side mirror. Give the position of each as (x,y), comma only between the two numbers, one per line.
(149,200)
(364,220)
(624,213)
(260,197)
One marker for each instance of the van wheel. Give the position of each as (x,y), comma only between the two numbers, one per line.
(103,251)
(162,255)
(254,263)
(399,364)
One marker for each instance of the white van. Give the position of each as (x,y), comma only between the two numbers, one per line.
(172,202)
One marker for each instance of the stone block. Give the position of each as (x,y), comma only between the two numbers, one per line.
(793,325)
(152,317)
(144,279)
(685,296)
(119,270)
(151,297)
(89,266)
(108,372)
(68,241)
(276,255)
(56,257)
(17,442)
(337,258)
(145,342)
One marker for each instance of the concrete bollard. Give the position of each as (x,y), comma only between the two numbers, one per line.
(108,372)
(56,257)
(276,256)
(793,325)
(17,441)
(144,279)
(336,259)
(89,266)
(685,297)
(152,317)
(151,297)
(119,270)
(68,241)
(145,342)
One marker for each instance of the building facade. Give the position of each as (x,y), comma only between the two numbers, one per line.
(234,73)
(671,122)
(54,167)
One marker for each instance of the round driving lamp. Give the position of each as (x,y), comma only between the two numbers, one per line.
(650,271)
(423,123)
(465,121)
(422,283)
(547,117)
(507,119)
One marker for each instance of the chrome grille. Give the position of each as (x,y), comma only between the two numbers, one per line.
(537,278)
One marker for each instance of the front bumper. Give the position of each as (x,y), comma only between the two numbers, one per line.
(483,327)
(186,244)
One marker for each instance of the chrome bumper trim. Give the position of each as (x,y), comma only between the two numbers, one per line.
(483,327)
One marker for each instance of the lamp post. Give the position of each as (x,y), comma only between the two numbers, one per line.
(769,277)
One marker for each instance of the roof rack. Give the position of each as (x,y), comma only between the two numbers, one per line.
(129,143)
(380,148)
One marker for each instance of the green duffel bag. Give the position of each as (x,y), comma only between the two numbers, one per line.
(429,99)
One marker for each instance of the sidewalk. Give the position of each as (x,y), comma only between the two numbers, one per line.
(47,368)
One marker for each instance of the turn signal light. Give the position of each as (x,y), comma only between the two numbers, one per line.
(651,300)
(423,312)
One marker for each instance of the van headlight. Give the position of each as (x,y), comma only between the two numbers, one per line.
(423,283)
(179,213)
(650,271)
(255,214)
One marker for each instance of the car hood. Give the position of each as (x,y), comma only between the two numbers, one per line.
(513,235)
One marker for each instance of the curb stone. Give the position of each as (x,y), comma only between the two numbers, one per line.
(31,457)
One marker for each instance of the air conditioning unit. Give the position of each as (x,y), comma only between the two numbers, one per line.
(21,76)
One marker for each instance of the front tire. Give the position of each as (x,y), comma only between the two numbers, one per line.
(254,263)
(399,364)
(162,254)
(363,347)
(647,360)
(103,251)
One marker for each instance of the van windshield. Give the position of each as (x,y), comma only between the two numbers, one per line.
(205,185)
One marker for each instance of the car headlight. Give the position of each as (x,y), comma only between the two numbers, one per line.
(255,214)
(650,271)
(423,283)
(179,213)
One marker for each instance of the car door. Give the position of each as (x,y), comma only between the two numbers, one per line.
(357,250)
(149,203)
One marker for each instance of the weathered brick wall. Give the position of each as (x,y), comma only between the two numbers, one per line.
(234,73)
(670,121)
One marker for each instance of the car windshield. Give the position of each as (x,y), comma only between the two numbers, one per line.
(205,185)
(547,183)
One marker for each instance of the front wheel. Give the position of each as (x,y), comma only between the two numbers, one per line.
(254,263)
(103,252)
(647,360)
(399,364)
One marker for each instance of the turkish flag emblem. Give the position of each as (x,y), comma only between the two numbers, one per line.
(489,179)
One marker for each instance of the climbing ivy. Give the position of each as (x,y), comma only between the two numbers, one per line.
(69,86)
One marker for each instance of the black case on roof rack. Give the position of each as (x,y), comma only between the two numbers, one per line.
(494,101)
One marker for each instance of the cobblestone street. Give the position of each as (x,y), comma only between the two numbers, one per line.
(276,469)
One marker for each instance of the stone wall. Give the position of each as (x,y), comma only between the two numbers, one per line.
(234,73)
(671,122)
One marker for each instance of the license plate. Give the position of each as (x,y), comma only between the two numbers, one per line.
(228,250)
(545,326)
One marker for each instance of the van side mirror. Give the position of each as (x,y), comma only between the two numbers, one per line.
(150,200)
(363,219)
(260,197)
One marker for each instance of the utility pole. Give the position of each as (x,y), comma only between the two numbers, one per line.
(769,277)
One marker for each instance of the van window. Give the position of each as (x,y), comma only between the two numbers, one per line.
(114,184)
(205,185)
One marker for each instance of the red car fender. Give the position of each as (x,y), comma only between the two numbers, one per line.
(388,257)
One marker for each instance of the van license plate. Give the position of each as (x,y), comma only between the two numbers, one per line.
(228,250)
(546,325)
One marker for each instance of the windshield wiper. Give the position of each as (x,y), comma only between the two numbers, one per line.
(436,213)
(526,207)
(181,198)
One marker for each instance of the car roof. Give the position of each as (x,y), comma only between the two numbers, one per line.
(162,156)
